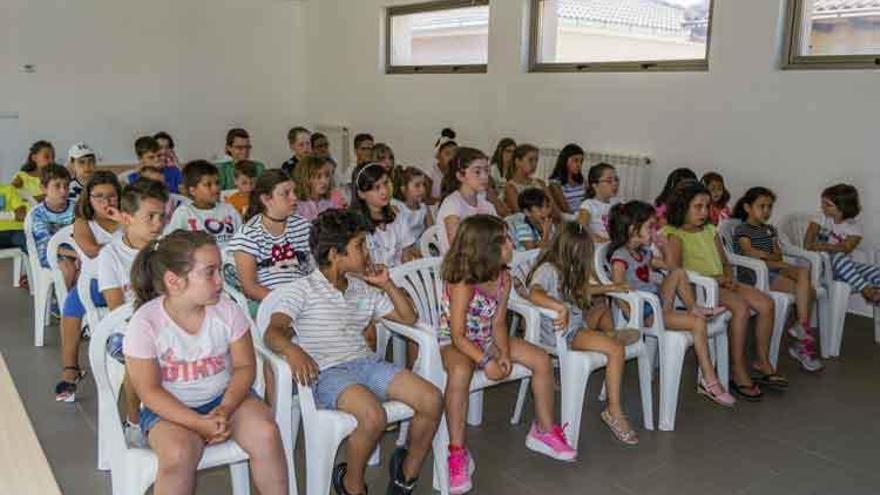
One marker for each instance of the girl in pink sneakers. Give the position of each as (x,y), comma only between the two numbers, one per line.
(474,335)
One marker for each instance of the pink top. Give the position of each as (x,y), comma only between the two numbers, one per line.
(195,367)
(309,209)
(455,206)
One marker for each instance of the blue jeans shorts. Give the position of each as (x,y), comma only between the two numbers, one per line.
(372,372)
(73,306)
(149,418)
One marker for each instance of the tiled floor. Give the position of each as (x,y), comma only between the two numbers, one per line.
(820,437)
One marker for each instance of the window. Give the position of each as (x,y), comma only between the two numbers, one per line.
(619,35)
(833,34)
(444,36)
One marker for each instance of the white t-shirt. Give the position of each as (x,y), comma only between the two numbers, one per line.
(599,212)
(89,266)
(836,233)
(414,219)
(279,259)
(221,221)
(329,325)
(547,277)
(386,244)
(114,267)
(195,367)
(455,206)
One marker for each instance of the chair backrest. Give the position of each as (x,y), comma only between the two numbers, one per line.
(231,282)
(64,235)
(429,243)
(726,229)
(422,281)
(520,267)
(601,265)
(794,228)
(108,375)
(33,256)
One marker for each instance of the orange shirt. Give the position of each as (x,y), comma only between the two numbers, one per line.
(239,201)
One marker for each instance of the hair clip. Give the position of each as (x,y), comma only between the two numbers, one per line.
(357,178)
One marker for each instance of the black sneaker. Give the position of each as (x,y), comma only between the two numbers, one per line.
(397,484)
(338,476)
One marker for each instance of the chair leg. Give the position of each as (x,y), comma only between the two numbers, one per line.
(241,481)
(825,310)
(574,380)
(782,305)
(475,408)
(320,453)
(41,303)
(441,452)
(840,301)
(645,366)
(877,324)
(376,457)
(520,401)
(671,361)
(16,271)
(403,434)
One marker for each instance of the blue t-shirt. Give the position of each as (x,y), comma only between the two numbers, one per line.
(45,222)
(173,178)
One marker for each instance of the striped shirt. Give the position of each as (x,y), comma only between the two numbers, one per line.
(574,194)
(45,222)
(281,259)
(762,237)
(329,324)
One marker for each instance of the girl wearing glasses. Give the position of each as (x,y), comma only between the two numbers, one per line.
(602,186)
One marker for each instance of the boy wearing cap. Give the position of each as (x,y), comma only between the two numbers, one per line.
(81,162)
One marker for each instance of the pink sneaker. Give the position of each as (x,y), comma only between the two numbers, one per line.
(461,467)
(552,443)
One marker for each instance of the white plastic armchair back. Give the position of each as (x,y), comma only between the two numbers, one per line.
(421,279)
(429,242)
(63,236)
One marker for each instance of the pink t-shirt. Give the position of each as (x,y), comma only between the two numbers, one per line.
(195,367)
(455,206)
(309,209)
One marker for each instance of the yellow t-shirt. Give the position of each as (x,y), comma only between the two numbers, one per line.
(30,184)
(9,202)
(698,250)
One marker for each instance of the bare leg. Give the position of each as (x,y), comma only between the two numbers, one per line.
(254,429)
(132,401)
(71,334)
(679,320)
(358,401)
(737,329)
(591,340)
(459,371)
(179,451)
(535,359)
(761,303)
(427,402)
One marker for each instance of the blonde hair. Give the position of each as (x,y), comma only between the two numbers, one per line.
(571,253)
(305,171)
(475,254)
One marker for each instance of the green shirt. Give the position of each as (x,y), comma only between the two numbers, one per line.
(698,250)
(10,201)
(227,173)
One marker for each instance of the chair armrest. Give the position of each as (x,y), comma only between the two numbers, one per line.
(634,302)
(429,364)
(813,257)
(533,314)
(762,274)
(282,394)
(709,287)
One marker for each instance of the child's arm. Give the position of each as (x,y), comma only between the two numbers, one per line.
(403,312)
(17,182)
(85,239)
(247,275)
(429,220)
(725,279)
(279,338)
(510,197)
(451,223)
(241,379)
(772,259)
(811,242)
(114,297)
(558,198)
(673,252)
(459,298)
(539,297)
(40,232)
(499,326)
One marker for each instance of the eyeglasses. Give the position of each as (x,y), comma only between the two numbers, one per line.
(104,197)
(241,147)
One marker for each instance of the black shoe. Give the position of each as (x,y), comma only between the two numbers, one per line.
(338,476)
(397,484)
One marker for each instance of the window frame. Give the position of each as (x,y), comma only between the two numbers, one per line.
(684,65)
(418,8)
(792,60)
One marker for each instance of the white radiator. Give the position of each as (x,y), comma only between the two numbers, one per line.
(631,168)
(339,138)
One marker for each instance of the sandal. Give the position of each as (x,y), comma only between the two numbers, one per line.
(714,392)
(65,391)
(751,394)
(772,380)
(628,437)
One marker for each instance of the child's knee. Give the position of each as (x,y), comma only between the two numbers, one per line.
(765,305)
(184,454)
(430,402)
(372,419)
(264,431)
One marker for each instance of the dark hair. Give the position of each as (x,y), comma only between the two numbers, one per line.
(164,135)
(594,175)
(401,177)
(53,171)
(101,177)
(174,253)
(447,133)
(622,218)
(265,185)
(246,168)
(363,178)
(333,230)
(141,189)
(316,136)
(531,197)
(145,144)
(359,138)
(680,201)
(672,181)
(305,171)
(29,164)
(519,153)
(570,251)
(382,149)
(296,131)
(846,198)
(475,254)
(560,171)
(499,152)
(195,170)
(463,158)
(236,132)
(710,177)
(749,198)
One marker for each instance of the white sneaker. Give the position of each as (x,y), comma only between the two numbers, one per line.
(802,355)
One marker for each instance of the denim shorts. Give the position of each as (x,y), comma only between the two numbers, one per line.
(73,306)
(372,372)
(114,346)
(149,418)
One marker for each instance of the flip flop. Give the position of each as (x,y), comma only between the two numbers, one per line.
(750,394)
(772,380)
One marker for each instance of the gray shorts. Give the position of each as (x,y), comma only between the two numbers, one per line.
(372,372)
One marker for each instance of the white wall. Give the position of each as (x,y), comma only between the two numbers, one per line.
(109,71)
(794,131)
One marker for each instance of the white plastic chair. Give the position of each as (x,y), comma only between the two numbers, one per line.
(575,367)
(832,296)
(234,291)
(326,429)
(674,344)
(41,282)
(782,301)
(429,242)
(94,314)
(133,469)
(63,236)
